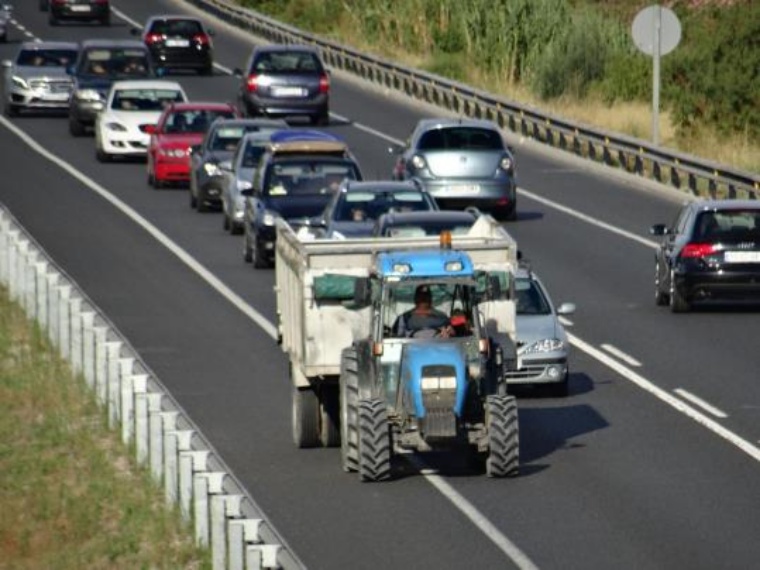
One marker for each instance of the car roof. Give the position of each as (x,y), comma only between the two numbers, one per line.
(173,17)
(202,106)
(109,43)
(420,217)
(48,45)
(146,84)
(381,186)
(286,47)
(243,122)
(726,204)
(445,122)
(258,136)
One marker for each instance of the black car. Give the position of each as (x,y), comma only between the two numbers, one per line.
(419,224)
(711,251)
(219,145)
(98,65)
(179,43)
(285,80)
(78,10)
(296,178)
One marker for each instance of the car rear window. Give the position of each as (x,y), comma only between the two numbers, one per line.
(419,230)
(310,176)
(360,206)
(728,225)
(461,138)
(115,62)
(145,99)
(287,62)
(46,57)
(194,121)
(182,28)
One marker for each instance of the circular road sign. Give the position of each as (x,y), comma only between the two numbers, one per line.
(645,30)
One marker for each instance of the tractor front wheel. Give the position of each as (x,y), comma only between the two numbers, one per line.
(503,437)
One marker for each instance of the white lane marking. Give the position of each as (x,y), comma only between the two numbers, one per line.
(138,25)
(696,400)
(367,129)
(565,321)
(161,237)
(627,358)
(672,401)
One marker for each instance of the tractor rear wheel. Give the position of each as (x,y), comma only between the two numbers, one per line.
(374,441)
(503,436)
(305,417)
(349,411)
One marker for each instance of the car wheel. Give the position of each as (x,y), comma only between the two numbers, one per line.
(259,258)
(11,110)
(102,156)
(200,204)
(236,229)
(52,20)
(106,21)
(247,250)
(193,200)
(76,129)
(225,220)
(208,71)
(322,119)
(678,303)
(661,298)
(559,389)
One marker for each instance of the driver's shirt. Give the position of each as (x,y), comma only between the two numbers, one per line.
(414,321)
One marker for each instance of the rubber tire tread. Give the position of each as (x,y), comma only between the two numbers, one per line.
(677,302)
(349,411)
(305,418)
(503,437)
(374,441)
(329,413)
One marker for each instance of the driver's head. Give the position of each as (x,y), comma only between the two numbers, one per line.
(423,297)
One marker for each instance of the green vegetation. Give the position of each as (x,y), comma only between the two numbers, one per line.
(71,497)
(562,53)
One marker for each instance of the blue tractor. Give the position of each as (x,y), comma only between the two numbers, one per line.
(432,376)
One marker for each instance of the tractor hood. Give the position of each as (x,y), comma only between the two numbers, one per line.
(433,358)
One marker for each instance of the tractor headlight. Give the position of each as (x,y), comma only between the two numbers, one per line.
(439,383)
(544,345)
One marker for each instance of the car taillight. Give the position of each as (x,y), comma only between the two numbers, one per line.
(252,84)
(693,250)
(324,84)
(153,38)
(201,39)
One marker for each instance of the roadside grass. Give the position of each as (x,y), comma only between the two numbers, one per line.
(71,494)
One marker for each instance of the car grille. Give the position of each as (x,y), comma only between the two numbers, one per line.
(51,85)
(527,371)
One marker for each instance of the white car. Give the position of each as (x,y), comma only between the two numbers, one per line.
(132,108)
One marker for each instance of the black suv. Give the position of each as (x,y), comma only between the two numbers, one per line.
(80,10)
(285,80)
(179,42)
(296,178)
(100,63)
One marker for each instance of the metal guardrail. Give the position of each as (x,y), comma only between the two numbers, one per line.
(686,172)
(225,518)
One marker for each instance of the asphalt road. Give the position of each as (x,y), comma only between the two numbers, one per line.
(624,473)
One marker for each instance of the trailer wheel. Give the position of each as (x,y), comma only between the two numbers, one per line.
(305,417)
(374,441)
(349,411)
(329,411)
(503,437)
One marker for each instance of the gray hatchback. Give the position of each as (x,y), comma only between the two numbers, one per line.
(285,80)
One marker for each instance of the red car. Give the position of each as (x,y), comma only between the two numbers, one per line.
(180,126)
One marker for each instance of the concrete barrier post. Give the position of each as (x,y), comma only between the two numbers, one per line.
(159,423)
(145,405)
(101,364)
(113,375)
(42,295)
(53,301)
(116,390)
(222,507)
(13,264)
(175,441)
(205,484)
(88,347)
(4,231)
(64,322)
(190,462)
(262,556)
(130,387)
(77,338)
(242,532)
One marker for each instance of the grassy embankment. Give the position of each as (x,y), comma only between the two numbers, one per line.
(523,50)
(71,495)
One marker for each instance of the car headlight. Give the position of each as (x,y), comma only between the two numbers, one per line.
(418,162)
(270,217)
(211,168)
(118,127)
(88,95)
(506,164)
(544,345)
(244,185)
(20,82)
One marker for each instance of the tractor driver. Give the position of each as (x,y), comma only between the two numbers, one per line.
(423,317)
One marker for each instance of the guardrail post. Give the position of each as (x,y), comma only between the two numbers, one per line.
(205,484)
(241,533)
(89,342)
(13,255)
(155,435)
(656,170)
(175,441)
(712,188)
(145,403)
(51,287)
(119,370)
(262,556)
(130,387)
(41,285)
(223,507)
(64,321)
(732,191)
(101,364)
(77,334)
(4,230)
(189,463)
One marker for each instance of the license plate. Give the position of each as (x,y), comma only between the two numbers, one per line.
(177,43)
(461,190)
(80,8)
(56,97)
(288,92)
(742,256)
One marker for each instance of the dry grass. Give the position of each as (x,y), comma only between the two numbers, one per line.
(71,497)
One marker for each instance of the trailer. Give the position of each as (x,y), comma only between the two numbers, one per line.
(352,371)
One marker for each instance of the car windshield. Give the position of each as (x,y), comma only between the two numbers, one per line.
(308,176)
(286,62)
(252,154)
(145,99)
(729,225)
(183,28)
(194,120)
(112,63)
(426,229)
(46,57)
(461,138)
(365,206)
(530,299)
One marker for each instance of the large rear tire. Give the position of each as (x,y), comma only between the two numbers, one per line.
(503,437)
(329,413)
(374,441)
(305,416)
(349,411)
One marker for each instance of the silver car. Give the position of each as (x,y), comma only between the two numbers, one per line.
(461,162)
(237,175)
(542,345)
(36,79)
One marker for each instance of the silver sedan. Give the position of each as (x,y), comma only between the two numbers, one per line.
(37,78)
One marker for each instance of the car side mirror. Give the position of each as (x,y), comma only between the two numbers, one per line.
(362,292)
(566,309)
(395,149)
(659,230)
